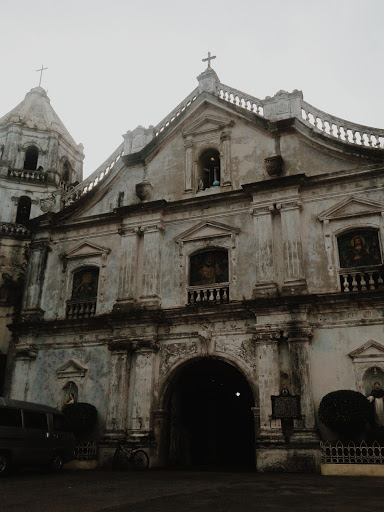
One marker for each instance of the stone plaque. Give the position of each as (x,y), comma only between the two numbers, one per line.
(286,406)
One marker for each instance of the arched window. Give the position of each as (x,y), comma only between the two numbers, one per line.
(31,157)
(209,169)
(209,267)
(359,248)
(23,209)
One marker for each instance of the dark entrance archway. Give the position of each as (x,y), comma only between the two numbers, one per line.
(210,420)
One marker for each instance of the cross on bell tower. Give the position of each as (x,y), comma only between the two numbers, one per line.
(209,58)
(41,73)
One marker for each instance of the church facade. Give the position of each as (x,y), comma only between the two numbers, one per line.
(216,263)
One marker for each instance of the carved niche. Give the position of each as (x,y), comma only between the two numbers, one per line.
(207,132)
(207,235)
(81,260)
(344,222)
(368,362)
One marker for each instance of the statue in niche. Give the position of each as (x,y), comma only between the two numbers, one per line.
(70,393)
(85,284)
(71,399)
(209,267)
(376,399)
(359,249)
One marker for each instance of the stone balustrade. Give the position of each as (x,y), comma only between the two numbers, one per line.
(338,128)
(89,183)
(240,99)
(7,228)
(361,280)
(212,294)
(80,309)
(176,112)
(23,174)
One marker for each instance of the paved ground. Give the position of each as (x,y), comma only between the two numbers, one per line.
(188,491)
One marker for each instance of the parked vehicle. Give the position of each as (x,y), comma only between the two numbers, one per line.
(33,435)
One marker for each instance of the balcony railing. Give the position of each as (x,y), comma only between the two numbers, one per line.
(211,294)
(80,309)
(361,280)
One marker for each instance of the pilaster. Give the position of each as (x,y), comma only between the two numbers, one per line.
(150,285)
(294,280)
(189,166)
(116,422)
(127,291)
(263,233)
(298,343)
(267,354)
(35,280)
(143,367)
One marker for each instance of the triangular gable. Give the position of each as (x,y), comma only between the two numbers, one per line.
(352,207)
(370,350)
(206,230)
(207,123)
(86,249)
(71,369)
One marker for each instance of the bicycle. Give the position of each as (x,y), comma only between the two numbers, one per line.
(126,457)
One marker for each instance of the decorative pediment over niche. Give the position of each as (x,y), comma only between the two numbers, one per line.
(71,369)
(370,351)
(207,124)
(85,250)
(351,207)
(206,231)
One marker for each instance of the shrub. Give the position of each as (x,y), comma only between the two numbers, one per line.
(344,411)
(81,417)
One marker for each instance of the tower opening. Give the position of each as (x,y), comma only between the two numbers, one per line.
(31,157)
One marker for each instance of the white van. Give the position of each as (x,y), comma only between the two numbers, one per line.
(33,435)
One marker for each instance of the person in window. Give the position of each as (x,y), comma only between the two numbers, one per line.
(360,254)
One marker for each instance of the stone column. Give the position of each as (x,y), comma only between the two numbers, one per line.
(160,423)
(189,178)
(127,291)
(298,342)
(150,285)
(35,280)
(225,159)
(118,390)
(25,356)
(263,232)
(267,354)
(143,367)
(294,280)
(11,145)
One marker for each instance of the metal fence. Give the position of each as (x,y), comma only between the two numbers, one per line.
(351,453)
(86,450)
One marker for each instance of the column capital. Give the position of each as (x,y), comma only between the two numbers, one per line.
(40,245)
(146,345)
(26,352)
(300,334)
(269,335)
(265,209)
(290,204)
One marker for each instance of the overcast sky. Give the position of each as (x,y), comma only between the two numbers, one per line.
(115,64)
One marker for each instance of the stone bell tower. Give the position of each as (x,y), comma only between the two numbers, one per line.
(39,161)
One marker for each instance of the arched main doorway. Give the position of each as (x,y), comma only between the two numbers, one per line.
(210,420)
